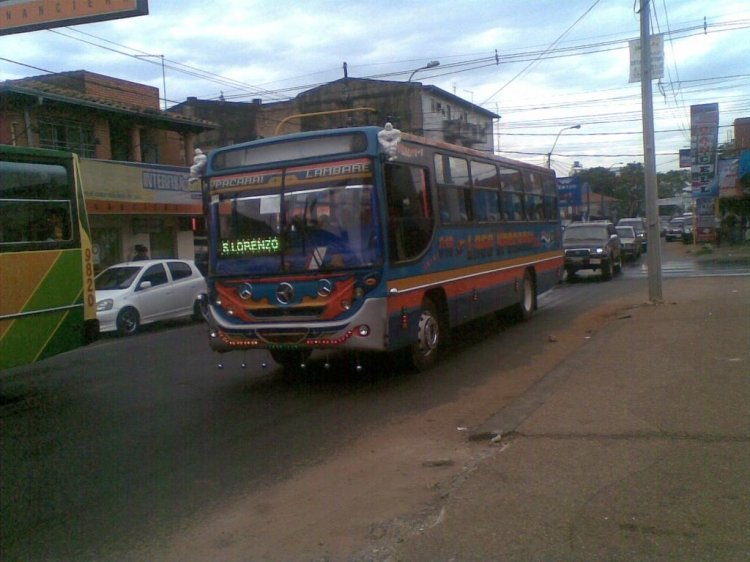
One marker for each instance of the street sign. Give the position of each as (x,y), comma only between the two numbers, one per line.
(657,58)
(18,16)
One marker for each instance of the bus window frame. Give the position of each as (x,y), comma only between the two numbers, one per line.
(397,254)
(461,211)
(514,189)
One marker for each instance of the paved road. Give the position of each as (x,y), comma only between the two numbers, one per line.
(115,445)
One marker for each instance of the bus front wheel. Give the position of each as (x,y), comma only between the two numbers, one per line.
(423,353)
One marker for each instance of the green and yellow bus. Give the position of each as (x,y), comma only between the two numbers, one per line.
(47,296)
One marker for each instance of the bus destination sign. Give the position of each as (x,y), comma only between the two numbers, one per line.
(262,246)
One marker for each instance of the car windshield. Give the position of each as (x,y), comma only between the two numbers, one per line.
(316,223)
(625,232)
(587,232)
(635,224)
(116,278)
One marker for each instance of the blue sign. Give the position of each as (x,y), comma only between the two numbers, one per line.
(569,191)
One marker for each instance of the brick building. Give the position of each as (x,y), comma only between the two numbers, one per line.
(134,157)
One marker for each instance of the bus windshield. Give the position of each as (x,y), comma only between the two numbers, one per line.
(311,224)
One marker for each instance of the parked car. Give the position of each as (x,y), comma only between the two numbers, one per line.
(639,225)
(674,229)
(630,245)
(592,245)
(131,294)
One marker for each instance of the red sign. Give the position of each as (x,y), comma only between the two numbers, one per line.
(18,16)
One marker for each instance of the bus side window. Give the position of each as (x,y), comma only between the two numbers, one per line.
(410,220)
(511,185)
(485,191)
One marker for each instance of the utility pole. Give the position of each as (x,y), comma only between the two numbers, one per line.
(649,154)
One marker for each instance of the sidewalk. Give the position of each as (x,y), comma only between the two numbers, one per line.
(638,448)
(726,253)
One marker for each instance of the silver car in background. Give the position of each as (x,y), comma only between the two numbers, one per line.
(630,245)
(134,293)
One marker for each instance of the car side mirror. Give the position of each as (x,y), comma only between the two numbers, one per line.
(144,285)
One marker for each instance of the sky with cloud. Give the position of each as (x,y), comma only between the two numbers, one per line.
(543,65)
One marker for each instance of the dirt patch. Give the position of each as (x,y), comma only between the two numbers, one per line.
(378,488)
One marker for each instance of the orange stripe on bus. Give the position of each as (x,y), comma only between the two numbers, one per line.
(15,271)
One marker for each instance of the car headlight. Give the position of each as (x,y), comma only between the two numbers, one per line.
(599,250)
(104,304)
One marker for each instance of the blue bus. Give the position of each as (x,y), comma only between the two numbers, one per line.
(367,239)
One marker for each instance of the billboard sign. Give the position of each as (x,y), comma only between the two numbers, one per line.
(704,139)
(18,16)
(657,58)
(569,191)
(686,158)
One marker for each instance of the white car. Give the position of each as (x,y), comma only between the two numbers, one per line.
(134,293)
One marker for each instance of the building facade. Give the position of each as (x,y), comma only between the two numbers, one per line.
(410,106)
(134,157)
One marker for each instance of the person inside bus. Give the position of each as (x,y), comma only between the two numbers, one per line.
(56,225)
(331,244)
(141,253)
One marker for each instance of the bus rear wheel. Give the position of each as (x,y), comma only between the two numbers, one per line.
(527,304)
(424,352)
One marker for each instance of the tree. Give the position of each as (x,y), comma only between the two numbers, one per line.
(671,183)
(627,185)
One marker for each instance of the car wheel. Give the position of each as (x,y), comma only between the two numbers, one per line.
(607,270)
(128,321)
(291,360)
(423,353)
(618,265)
(525,307)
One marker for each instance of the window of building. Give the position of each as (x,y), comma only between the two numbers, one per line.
(73,136)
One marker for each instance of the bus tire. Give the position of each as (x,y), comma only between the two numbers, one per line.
(128,321)
(525,307)
(424,352)
(292,360)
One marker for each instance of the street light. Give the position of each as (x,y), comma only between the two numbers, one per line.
(549,154)
(163,76)
(431,64)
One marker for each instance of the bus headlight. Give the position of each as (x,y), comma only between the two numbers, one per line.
(104,304)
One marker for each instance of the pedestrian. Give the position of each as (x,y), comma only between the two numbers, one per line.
(141,252)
